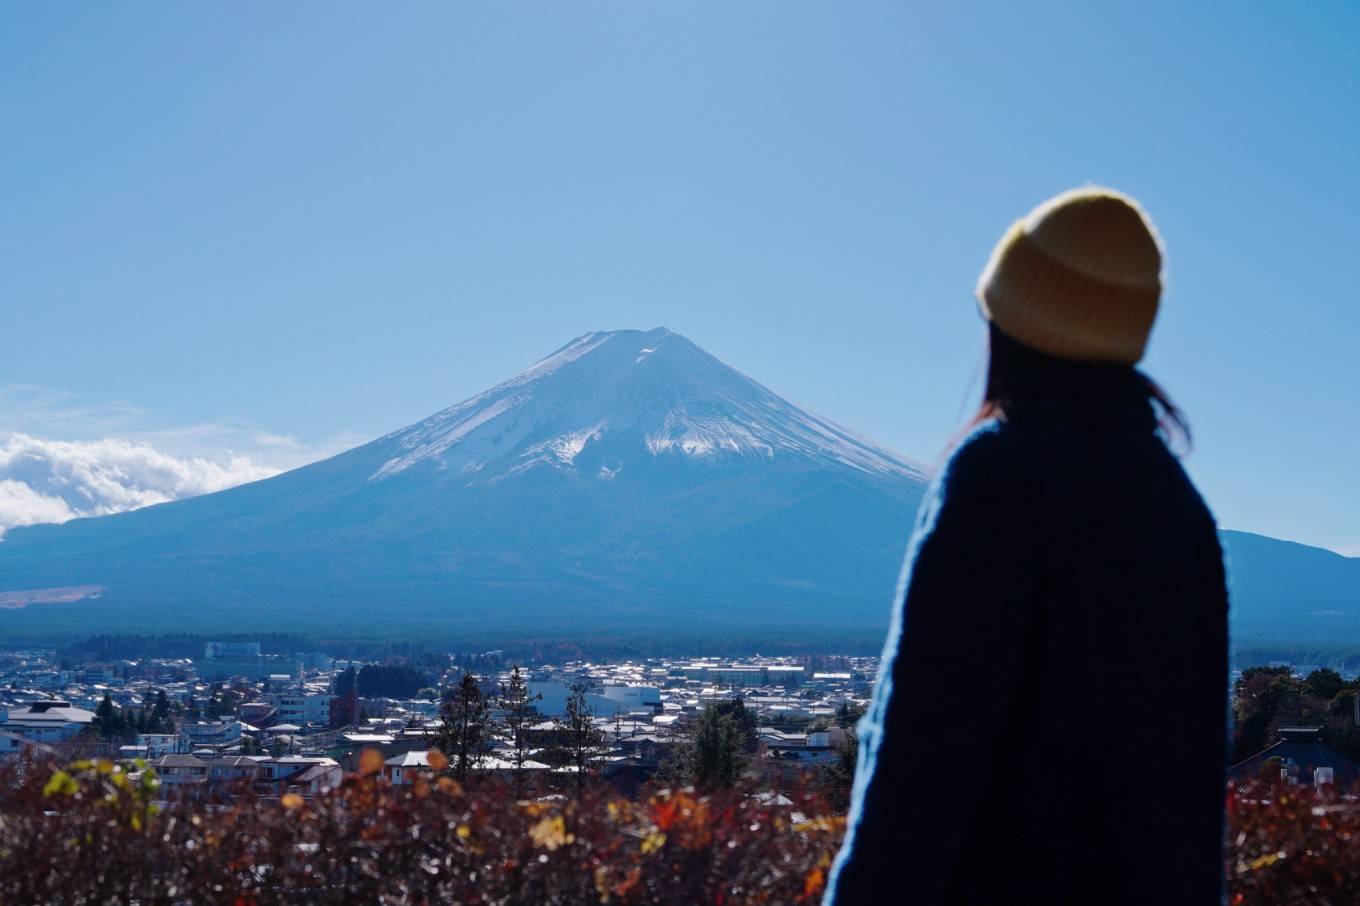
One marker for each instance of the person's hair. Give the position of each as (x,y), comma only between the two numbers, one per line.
(1017,374)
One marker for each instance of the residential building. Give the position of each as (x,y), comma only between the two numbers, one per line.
(300,708)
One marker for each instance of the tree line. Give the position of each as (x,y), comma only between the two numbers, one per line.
(1268,698)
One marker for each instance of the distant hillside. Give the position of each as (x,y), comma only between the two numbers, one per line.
(1288,591)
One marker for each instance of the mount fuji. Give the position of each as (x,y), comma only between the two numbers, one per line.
(629,480)
(628,484)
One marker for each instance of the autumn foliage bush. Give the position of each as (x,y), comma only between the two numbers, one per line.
(90,834)
(1292,845)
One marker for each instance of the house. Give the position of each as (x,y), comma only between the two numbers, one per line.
(402,769)
(232,769)
(180,770)
(1299,756)
(287,769)
(46,721)
(321,775)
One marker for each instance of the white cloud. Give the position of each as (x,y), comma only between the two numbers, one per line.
(53,481)
(52,412)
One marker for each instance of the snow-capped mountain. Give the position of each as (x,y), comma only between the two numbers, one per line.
(628,484)
(627,473)
(613,399)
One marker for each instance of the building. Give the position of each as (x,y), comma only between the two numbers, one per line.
(300,708)
(212,735)
(158,744)
(305,774)
(179,770)
(1299,757)
(635,698)
(46,721)
(222,660)
(550,698)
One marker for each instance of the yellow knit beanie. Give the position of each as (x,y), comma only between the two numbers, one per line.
(1079,278)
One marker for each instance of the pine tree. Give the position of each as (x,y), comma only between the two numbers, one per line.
(160,713)
(519,708)
(718,742)
(581,739)
(465,726)
(716,751)
(106,717)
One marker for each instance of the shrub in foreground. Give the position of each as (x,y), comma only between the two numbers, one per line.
(91,834)
(1292,845)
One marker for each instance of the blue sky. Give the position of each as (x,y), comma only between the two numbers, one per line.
(278,229)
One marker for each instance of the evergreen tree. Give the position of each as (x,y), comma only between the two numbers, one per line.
(160,713)
(848,714)
(465,726)
(106,719)
(580,738)
(716,751)
(718,742)
(838,778)
(519,708)
(346,682)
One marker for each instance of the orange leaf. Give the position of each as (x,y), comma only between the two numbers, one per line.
(370,761)
(436,759)
(813,883)
(664,812)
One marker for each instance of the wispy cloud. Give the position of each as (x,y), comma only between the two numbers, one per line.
(50,412)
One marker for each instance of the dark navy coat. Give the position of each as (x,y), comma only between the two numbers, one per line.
(1050,719)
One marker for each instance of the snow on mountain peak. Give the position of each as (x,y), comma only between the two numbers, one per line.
(626,395)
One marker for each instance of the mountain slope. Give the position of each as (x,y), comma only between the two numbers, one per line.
(1282,590)
(629,474)
(628,483)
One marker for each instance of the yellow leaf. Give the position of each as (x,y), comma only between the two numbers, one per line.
(61,783)
(652,842)
(290,800)
(825,824)
(550,833)
(463,832)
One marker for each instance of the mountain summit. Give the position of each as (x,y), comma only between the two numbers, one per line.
(628,478)
(627,484)
(610,401)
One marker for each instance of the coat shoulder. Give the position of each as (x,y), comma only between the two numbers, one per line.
(993,454)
